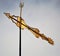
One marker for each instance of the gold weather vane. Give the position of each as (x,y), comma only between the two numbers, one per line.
(19,21)
(35,31)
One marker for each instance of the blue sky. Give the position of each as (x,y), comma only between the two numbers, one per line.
(43,14)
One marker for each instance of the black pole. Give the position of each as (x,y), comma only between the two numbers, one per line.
(21,6)
(20,41)
(20,34)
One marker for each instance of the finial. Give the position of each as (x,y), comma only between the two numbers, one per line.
(21,4)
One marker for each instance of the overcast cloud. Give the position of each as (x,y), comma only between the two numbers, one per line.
(43,14)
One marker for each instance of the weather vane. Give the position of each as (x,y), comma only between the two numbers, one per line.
(20,22)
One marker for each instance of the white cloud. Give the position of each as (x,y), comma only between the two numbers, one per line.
(43,17)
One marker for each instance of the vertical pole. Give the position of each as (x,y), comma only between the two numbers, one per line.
(20,41)
(21,6)
(20,34)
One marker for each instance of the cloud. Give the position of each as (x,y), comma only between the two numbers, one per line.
(43,16)
(53,3)
(8,4)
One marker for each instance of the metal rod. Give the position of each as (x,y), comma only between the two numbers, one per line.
(21,6)
(20,35)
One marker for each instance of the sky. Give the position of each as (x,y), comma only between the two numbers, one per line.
(41,14)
